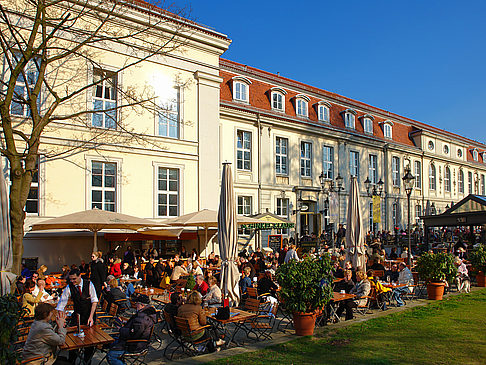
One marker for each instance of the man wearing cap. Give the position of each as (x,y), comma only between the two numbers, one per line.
(83,294)
(138,327)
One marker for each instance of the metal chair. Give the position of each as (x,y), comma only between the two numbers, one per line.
(191,345)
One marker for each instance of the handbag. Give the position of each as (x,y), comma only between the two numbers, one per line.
(223,313)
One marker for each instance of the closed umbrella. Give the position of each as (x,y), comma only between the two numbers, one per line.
(6,255)
(95,220)
(355,234)
(228,237)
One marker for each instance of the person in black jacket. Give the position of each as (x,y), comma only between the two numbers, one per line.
(98,272)
(138,327)
(266,285)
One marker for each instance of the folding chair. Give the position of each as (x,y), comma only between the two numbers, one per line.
(263,324)
(192,346)
(253,293)
(174,335)
(364,308)
(39,360)
(137,357)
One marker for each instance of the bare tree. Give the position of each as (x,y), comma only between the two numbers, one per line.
(52,53)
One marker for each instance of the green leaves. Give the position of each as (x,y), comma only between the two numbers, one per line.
(10,314)
(305,286)
(436,267)
(478,258)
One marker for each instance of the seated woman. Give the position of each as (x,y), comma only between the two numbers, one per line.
(361,289)
(19,285)
(245,282)
(28,300)
(193,311)
(117,296)
(42,271)
(126,269)
(266,285)
(65,272)
(347,284)
(213,296)
(43,339)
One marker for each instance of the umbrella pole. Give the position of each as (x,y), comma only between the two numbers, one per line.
(206,239)
(95,241)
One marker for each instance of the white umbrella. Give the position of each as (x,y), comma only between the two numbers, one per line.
(6,255)
(228,237)
(95,220)
(355,235)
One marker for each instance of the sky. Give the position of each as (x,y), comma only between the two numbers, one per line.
(421,59)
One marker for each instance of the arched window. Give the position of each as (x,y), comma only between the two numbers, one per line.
(460,181)
(432,179)
(447,179)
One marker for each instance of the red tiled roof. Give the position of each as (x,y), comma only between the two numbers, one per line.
(259,99)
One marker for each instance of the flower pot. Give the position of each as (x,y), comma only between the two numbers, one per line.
(480,279)
(435,291)
(304,323)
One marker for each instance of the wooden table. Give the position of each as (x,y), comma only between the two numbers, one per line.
(337,280)
(237,316)
(93,336)
(150,291)
(393,286)
(130,280)
(336,298)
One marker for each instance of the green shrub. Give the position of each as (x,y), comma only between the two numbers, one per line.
(191,282)
(437,267)
(11,313)
(478,258)
(305,286)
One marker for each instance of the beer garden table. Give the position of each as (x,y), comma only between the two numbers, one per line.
(237,316)
(336,298)
(93,336)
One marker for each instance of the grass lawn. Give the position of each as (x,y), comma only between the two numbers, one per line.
(452,331)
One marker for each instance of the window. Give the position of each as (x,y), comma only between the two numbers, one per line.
(460,182)
(475,155)
(281,156)
(395,214)
(446,149)
(301,107)
(354,163)
(483,188)
(432,180)
(418,212)
(167,192)
(328,162)
(243,151)
(418,174)
(368,125)
(470,182)
(323,113)
(396,171)
(387,130)
(372,168)
(104,99)
(431,145)
(32,205)
(19,105)
(306,159)
(103,185)
(447,179)
(244,205)
(372,225)
(278,101)
(283,211)
(459,153)
(349,120)
(168,125)
(240,89)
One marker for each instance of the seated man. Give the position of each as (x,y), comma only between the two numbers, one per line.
(404,277)
(43,338)
(201,286)
(213,296)
(245,282)
(138,327)
(41,283)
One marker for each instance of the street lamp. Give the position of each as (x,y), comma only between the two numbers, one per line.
(408,182)
(332,186)
(374,189)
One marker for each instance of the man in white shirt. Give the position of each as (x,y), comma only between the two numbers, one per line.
(405,277)
(41,283)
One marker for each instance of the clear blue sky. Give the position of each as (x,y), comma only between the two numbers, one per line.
(421,59)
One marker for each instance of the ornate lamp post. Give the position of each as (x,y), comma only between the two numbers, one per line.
(374,190)
(408,182)
(332,186)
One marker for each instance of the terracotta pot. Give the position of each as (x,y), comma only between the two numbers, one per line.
(480,279)
(435,291)
(304,323)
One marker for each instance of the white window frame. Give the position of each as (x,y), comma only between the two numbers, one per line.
(244,202)
(349,117)
(354,163)
(238,83)
(167,191)
(282,210)
(323,112)
(243,149)
(396,171)
(387,131)
(104,113)
(470,182)
(395,215)
(447,179)
(432,177)
(483,187)
(418,174)
(32,74)
(305,159)
(368,125)
(460,181)
(418,212)
(166,109)
(373,168)
(328,162)
(475,155)
(281,159)
(103,189)
(277,92)
(301,106)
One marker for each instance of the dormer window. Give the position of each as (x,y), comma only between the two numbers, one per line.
(301,105)
(241,87)
(277,98)
(368,123)
(323,108)
(475,154)
(388,129)
(483,155)
(349,116)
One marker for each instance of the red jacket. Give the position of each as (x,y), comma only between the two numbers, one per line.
(115,270)
(203,288)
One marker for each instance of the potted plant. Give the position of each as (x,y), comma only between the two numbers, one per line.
(436,269)
(305,289)
(478,261)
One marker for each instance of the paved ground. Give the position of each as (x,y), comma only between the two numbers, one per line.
(156,354)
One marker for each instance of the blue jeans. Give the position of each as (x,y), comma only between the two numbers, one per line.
(397,294)
(113,357)
(130,290)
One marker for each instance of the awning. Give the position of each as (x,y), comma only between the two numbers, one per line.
(470,211)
